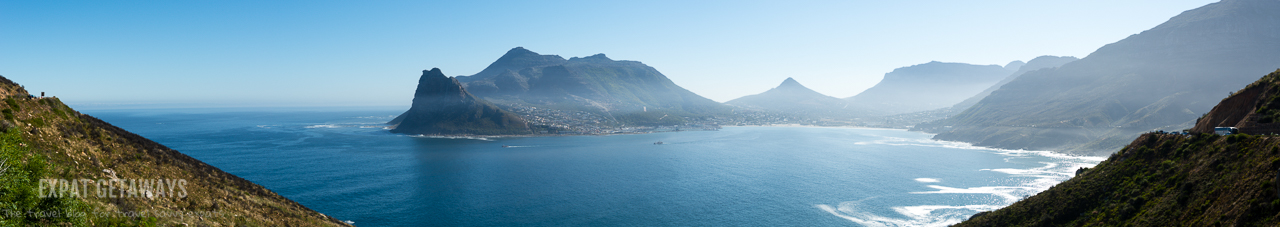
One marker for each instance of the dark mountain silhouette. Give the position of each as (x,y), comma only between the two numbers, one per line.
(628,92)
(1162,78)
(927,86)
(442,106)
(792,98)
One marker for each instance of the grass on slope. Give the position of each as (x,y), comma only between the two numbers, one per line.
(1162,180)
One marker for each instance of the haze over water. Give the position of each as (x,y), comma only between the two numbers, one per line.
(344,164)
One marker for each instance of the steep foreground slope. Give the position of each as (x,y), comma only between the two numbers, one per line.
(1162,78)
(1173,180)
(442,106)
(45,139)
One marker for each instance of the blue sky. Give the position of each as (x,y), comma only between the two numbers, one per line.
(370,53)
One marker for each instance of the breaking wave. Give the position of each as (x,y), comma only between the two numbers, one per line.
(1061,167)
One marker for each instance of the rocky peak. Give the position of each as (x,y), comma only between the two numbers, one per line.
(442,106)
(790,84)
(434,83)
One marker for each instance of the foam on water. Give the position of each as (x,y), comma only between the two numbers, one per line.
(323,126)
(451,137)
(927,180)
(1051,173)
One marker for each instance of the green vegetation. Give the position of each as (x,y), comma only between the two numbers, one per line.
(44,139)
(20,174)
(1162,180)
(1269,108)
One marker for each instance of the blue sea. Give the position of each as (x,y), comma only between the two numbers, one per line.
(344,163)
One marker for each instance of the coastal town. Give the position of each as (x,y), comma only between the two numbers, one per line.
(568,122)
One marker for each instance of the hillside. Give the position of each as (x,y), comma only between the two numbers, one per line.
(1173,180)
(1162,78)
(792,98)
(45,139)
(441,106)
(927,86)
(622,92)
(1034,64)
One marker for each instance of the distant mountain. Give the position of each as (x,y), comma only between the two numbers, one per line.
(928,86)
(626,92)
(442,106)
(1162,78)
(792,98)
(1037,63)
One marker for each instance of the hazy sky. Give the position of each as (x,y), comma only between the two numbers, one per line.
(354,53)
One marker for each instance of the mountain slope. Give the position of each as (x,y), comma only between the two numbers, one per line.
(1034,64)
(45,139)
(1173,180)
(1162,78)
(927,86)
(627,92)
(792,98)
(442,106)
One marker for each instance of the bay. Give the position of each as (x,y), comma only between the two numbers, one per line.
(343,163)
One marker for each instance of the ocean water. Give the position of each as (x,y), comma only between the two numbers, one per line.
(342,162)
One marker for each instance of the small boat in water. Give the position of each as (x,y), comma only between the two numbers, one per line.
(657,143)
(505,146)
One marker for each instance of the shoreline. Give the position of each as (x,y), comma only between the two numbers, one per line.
(1047,153)
(465,136)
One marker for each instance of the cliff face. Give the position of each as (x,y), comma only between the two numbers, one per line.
(1253,110)
(44,139)
(442,106)
(1162,78)
(1173,180)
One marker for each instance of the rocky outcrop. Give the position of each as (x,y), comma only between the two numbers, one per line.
(441,106)
(1252,110)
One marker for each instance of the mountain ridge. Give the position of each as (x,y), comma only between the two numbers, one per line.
(927,86)
(622,92)
(1159,79)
